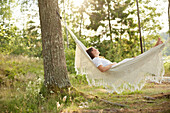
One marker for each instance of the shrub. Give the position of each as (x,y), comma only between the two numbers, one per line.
(70,59)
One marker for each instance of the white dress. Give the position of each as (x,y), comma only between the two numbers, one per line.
(101,61)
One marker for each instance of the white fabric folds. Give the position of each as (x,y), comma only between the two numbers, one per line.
(130,74)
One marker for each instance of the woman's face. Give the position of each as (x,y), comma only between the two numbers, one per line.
(95,52)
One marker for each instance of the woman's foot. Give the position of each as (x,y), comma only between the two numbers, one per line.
(158,42)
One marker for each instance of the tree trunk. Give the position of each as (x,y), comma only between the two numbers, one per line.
(110,27)
(81,22)
(169,16)
(139,27)
(55,71)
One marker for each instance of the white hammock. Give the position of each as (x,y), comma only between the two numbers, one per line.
(129,74)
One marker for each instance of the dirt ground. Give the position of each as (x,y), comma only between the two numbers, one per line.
(154,99)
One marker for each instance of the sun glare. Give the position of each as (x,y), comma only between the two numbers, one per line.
(78,3)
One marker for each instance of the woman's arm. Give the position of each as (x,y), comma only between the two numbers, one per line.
(103,69)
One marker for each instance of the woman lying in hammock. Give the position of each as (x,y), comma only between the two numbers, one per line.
(104,64)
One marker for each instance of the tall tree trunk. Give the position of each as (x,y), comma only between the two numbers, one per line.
(169,16)
(55,71)
(139,27)
(110,27)
(81,22)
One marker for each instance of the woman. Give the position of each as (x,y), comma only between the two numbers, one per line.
(104,64)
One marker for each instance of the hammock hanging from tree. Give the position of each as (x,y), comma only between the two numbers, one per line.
(130,74)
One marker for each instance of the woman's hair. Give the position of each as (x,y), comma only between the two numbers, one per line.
(89,51)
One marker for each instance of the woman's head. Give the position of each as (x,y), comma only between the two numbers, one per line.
(92,52)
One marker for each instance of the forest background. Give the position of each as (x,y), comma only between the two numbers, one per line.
(111,26)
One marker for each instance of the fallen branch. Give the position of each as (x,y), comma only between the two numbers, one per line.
(116,104)
(158,96)
(162,95)
(98,99)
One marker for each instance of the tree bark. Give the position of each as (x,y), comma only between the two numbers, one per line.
(55,71)
(169,16)
(81,22)
(139,27)
(110,27)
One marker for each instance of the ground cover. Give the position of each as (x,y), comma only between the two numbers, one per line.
(21,90)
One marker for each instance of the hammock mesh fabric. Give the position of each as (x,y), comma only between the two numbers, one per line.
(129,74)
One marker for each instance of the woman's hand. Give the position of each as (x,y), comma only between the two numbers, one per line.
(103,69)
(114,63)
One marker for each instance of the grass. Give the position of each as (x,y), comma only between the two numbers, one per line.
(167,66)
(21,79)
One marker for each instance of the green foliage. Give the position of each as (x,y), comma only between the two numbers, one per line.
(5,10)
(28,43)
(148,14)
(166,50)
(7,37)
(125,42)
(70,59)
(78,79)
(131,93)
(13,66)
(167,66)
(12,41)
